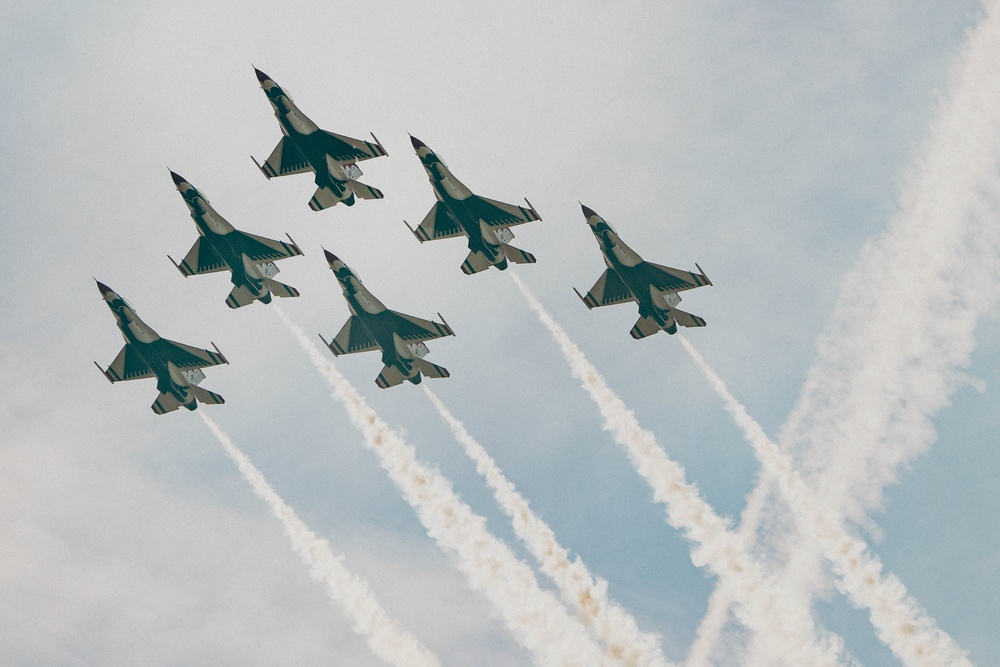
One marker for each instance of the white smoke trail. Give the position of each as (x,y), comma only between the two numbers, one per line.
(385,638)
(899,621)
(760,607)
(608,620)
(906,317)
(710,629)
(536,618)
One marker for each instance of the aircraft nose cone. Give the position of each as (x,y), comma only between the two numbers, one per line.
(417,144)
(588,212)
(104,288)
(330,257)
(178,179)
(260,75)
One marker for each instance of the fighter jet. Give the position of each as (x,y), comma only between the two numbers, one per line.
(629,278)
(372,326)
(250,259)
(176,367)
(304,147)
(458,212)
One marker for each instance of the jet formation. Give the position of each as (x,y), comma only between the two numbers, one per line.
(400,338)
(176,367)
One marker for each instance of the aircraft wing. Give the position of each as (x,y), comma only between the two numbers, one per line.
(285,159)
(259,248)
(414,329)
(128,365)
(437,224)
(185,356)
(608,289)
(201,258)
(346,149)
(498,214)
(667,279)
(353,337)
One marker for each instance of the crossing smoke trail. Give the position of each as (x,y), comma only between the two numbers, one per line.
(614,626)
(899,621)
(905,321)
(386,639)
(537,620)
(760,608)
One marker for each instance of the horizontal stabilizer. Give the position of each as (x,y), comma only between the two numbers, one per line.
(206,396)
(364,191)
(240,296)
(517,255)
(389,377)
(647,326)
(474,263)
(280,289)
(686,319)
(325,198)
(430,370)
(165,403)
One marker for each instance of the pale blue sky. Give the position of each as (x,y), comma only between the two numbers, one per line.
(766,141)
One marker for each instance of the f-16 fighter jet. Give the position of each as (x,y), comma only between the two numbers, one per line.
(372,326)
(629,278)
(176,367)
(250,259)
(304,147)
(459,212)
